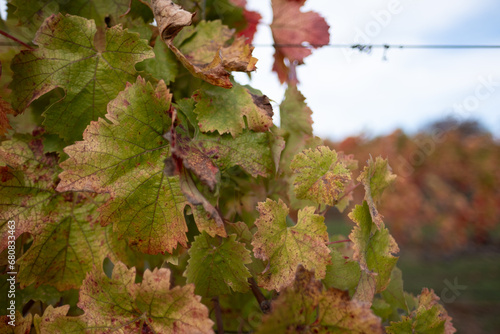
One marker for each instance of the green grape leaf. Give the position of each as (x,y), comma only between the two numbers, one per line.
(91,71)
(203,49)
(305,307)
(296,127)
(343,273)
(217,266)
(125,159)
(319,175)
(287,247)
(376,177)
(394,294)
(231,111)
(15,323)
(65,244)
(373,249)
(295,115)
(27,181)
(65,247)
(430,317)
(31,14)
(163,66)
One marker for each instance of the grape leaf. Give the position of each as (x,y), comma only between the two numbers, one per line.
(287,247)
(125,159)
(65,247)
(119,304)
(27,182)
(224,110)
(55,321)
(292,27)
(91,73)
(295,115)
(373,249)
(430,318)
(202,49)
(394,294)
(376,177)
(5,109)
(306,308)
(31,14)
(296,125)
(163,66)
(217,266)
(252,20)
(343,273)
(22,324)
(319,176)
(207,154)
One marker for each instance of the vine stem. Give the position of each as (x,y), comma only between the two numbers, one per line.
(338,241)
(218,315)
(348,191)
(263,302)
(9,36)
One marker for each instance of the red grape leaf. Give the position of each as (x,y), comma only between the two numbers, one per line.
(292,27)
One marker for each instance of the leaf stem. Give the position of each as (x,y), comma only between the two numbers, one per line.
(218,315)
(15,39)
(348,191)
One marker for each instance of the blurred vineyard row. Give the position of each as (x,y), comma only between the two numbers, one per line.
(447,195)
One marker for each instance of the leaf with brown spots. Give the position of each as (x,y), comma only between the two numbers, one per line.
(305,307)
(376,177)
(319,175)
(118,304)
(22,325)
(287,247)
(65,243)
(124,156)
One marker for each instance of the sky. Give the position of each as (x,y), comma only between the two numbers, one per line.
(351,92)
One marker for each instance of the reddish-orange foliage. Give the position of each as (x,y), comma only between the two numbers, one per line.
(447,191)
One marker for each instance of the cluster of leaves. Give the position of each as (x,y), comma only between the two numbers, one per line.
(447,194)
(153,187)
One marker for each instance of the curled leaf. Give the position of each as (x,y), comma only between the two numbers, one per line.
(170,17)
(376,177)
(204,49)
